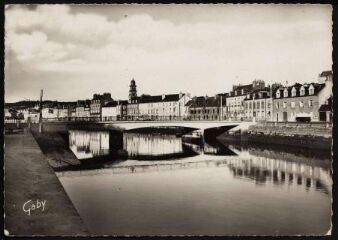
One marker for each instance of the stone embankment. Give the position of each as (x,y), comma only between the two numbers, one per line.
(35,202)
(54,145)
(305,135)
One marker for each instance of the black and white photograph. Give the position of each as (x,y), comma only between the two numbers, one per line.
(168,120)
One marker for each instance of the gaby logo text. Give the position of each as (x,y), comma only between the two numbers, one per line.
(31,205)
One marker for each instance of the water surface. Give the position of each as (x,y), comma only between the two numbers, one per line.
(211,188)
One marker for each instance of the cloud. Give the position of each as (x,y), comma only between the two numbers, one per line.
(200,57)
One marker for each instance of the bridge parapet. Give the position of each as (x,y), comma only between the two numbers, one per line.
(197,125)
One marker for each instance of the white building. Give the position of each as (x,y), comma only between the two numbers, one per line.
(7,113)
(32,116)
(49,113)
(163,107)
(110,111)
(82,111)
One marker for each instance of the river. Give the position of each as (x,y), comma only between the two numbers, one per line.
(169,186)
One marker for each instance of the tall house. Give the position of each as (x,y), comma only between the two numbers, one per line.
(257,105)
(96,104)
(235,100)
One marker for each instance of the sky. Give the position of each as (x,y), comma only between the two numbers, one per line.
(74,51)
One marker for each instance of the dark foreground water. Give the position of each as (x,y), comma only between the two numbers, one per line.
(170,187)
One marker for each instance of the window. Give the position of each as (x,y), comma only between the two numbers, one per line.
(258,105)
(310,103)
(278,94)
(302,91)
(277,105)
(293,105)
(285,92)
(262,104)
(311,90)
(293,92)
(301,104)
(284,104)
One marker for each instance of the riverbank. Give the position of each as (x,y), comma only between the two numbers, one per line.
(54,145)
(304,135)
(30,179)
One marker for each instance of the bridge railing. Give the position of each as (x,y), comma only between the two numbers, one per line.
(127,118)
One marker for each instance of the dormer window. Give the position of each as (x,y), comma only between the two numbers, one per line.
(236,93)
(293,92)
(278,94)
(311,90)
(302,91)
(242,91)
(285,92)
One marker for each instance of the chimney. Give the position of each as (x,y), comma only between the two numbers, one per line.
(180,95)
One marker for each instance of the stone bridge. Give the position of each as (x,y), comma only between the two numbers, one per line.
(193,125)
(214,127)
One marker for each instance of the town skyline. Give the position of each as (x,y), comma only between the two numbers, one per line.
(162,49)
(83,98)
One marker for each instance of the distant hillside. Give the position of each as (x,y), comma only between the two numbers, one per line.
(32,104)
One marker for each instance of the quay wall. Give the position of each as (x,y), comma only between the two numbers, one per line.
(28,178)
(305,135)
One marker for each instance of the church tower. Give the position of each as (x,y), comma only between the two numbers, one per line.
(132,90)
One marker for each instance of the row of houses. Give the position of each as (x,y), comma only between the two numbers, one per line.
(252,102)
(278,103)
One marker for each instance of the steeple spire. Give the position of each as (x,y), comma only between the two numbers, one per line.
(132,89)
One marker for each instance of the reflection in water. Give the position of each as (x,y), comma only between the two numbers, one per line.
(224,189)
(89,144)
(138,145)
(262,170)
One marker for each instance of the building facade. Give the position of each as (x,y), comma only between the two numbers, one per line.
(82,109)
(121,110)
(235,99)
(109,111)
(206,108)
(303,102)
(96,104)
(159,107)
(162,107)
(258,105)
(32,115)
